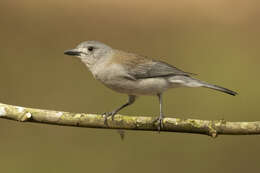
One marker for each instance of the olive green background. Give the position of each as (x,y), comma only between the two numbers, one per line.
(218,39)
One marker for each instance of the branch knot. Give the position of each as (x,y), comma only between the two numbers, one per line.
(212,129)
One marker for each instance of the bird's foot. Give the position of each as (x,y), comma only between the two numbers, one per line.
(112,114)
(108,114)
(160,123)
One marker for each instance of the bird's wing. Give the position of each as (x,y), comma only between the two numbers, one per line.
(140,67)
(155,69)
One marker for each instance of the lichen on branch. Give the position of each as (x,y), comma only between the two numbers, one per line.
(207,127)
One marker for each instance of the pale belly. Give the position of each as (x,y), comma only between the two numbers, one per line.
(150,86)
(115,78)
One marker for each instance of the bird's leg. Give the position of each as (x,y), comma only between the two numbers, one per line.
(131,100)
(160,118)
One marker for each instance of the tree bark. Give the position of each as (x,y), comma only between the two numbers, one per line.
(207,127)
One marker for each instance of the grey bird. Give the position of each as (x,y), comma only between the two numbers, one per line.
(134,75)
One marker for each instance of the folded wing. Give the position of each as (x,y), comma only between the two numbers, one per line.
(141,67)
(155,69)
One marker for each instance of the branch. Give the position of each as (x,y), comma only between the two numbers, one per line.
(207,127)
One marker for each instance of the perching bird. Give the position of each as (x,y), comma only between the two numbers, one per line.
(133,74)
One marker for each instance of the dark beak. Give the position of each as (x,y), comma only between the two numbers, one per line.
(72,52)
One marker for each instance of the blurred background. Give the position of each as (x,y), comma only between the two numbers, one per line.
(219,40)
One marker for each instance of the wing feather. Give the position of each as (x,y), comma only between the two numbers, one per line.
(155,69)
(141,67)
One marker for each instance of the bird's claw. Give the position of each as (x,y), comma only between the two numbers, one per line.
(108,114)
(160,123)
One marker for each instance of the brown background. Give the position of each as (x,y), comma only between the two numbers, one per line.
(217,39)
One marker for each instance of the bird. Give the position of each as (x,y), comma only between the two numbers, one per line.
(134,74)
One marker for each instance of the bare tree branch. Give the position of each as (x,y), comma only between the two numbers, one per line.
(207,127)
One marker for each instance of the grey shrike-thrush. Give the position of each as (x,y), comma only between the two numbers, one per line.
(134,74)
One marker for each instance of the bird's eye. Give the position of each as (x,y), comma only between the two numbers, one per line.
(90,48)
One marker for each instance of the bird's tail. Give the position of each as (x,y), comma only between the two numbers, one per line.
(219,88)
(191,82)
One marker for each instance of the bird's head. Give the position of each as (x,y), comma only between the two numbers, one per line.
(90,52)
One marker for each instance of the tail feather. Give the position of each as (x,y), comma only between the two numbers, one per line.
(191,82)
(219,88)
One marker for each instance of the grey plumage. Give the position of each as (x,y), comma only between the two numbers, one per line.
(155,69)
(134,74)
(219,88)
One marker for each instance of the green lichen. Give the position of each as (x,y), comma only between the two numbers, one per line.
(194,123)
